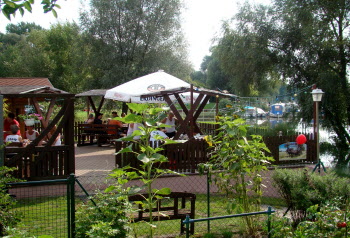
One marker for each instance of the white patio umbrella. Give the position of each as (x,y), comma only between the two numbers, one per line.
(154,82)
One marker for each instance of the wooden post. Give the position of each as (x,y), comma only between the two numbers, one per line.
(1,131)
(191,113)
(217,107)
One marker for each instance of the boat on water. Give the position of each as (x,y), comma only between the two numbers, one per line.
(253,112)
(277,110)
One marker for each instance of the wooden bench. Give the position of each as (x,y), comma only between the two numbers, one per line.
(101,132)
(168,208)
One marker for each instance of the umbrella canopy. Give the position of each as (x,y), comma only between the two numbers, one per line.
(155,82)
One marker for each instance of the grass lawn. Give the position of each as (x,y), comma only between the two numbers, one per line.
(48,216)
(43,216)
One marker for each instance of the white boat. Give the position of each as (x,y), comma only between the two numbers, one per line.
(254,112)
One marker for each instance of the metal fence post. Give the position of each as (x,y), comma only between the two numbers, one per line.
(208,199)
(71,206)
(269,222)
(187,226)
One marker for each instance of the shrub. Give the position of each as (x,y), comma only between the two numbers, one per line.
(7,217)
(105,219)
(325,221)
(302,189)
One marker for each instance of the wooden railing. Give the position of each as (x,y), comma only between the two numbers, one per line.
(40,162)
(183,157)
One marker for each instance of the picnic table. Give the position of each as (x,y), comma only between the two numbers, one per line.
(101,133)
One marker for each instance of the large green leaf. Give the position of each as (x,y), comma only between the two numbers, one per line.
(10,4)
(125,150)
(162,191)
(138,107)
(164,125)
(28,6)
(143,158)
(155,111)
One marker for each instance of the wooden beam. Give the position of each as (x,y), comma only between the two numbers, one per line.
(101,103)
(188,118)
(92,104)
(173,108)
(181,103)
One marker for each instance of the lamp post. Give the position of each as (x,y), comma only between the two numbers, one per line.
(317,97)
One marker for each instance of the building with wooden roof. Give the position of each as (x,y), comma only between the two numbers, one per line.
(12,87)
(36,161)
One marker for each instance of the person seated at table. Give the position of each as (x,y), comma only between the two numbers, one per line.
(157,133)
(171,121)
(98,118)
(90,119)
(114,114)
(112,121)
(14,137)
(134,127)
(8,122)
(31,134)
(57,140)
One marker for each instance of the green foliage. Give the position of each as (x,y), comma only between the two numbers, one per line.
(7,217)
(22,28)
(321,221)
(133,38)
(149,157)
(108,218)
(18,233)
(302,189)
(286,129)
(10,7)
(59,54)
(300,42)
(235,164)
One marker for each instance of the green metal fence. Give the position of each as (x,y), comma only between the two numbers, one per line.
(268,212)
(45,207)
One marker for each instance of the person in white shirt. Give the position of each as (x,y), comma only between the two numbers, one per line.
(134,127)
(14,137)
(159,133)
(153,140)
(57,140)
(31,134)
(171,121)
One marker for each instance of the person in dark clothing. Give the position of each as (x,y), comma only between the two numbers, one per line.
(98,118)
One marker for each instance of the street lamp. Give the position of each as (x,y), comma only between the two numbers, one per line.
(317,97)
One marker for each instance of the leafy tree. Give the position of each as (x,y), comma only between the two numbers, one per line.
(311,40)
(59,53)
(216,78)
(198,76)
(300,42)
(133,38)
(243,54)
(10,7)
(22,28)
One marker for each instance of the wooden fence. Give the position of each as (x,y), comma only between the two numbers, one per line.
(45,162)
(183,157)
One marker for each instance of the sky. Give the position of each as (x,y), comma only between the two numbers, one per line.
(202,20)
